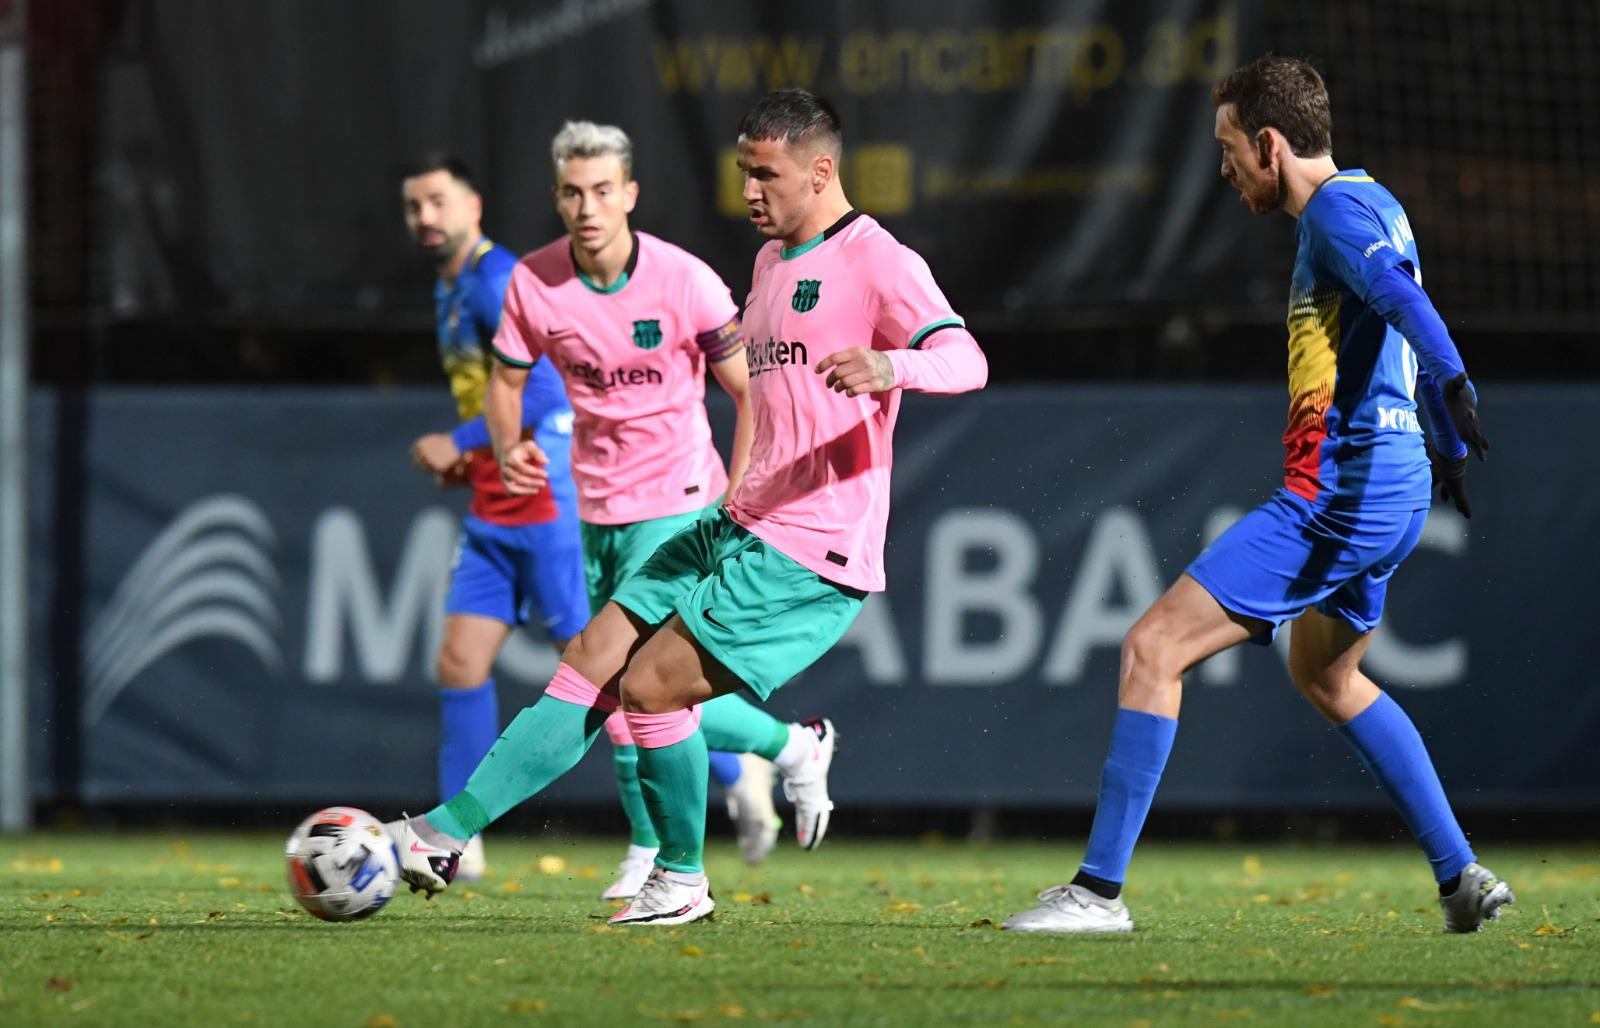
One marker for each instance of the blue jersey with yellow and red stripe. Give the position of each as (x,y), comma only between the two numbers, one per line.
(467,312)
(1353,440)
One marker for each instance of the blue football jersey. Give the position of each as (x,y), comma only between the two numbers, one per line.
(467,314)
(1353,440)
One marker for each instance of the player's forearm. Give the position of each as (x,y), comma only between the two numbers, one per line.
(503,407)
(1399,300)
(744,434)
(949,362)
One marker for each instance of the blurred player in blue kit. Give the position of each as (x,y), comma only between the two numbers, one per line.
(1366,349)
(520,557)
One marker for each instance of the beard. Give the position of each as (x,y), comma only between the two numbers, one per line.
(440,252)
(1266,197)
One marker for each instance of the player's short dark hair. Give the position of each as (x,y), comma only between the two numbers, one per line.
(1281,93)
(438,160)
(794,116)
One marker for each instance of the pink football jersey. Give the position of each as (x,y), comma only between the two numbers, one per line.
(635,373)
(818,484)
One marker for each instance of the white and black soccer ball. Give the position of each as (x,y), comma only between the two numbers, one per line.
(342,864)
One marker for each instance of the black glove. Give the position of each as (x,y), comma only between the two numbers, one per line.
(1462,403)
(1450,478)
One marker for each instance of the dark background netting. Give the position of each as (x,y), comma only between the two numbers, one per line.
(1484,118)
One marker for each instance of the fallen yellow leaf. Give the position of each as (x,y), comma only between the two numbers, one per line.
(511,886)
(382,1021)
(690,951)
(37,865)
(552,865)
(1252,865)
(529,1006)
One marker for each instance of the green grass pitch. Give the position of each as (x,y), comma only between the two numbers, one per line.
(198,929)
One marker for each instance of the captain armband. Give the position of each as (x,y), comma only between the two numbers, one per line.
(718,344)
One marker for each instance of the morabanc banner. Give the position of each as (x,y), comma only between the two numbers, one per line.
(237,595)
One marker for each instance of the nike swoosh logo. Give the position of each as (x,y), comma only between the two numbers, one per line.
(706,615)
(419,848)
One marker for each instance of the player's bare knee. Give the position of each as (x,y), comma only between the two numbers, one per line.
(644,691)
(1143,655)
(456,669)
(1320,688)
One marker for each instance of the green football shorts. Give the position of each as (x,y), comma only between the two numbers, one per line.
(613,552)
(762,615)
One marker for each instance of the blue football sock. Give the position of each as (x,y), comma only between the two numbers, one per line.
(1140,743)
(1390,748)
(724,768)
(469,723)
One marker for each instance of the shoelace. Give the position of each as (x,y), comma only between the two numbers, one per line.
(1056,892)
(646,892)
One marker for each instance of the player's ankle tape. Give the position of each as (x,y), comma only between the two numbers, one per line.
(656,731)
(571,687)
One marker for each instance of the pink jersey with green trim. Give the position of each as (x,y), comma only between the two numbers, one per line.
(818,484)
(633,356)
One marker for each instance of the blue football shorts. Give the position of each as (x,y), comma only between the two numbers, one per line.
(521,573)
(1286,555)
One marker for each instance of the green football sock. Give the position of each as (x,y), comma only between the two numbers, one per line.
(541,745)
(734,725)
(673,779)
(625,759)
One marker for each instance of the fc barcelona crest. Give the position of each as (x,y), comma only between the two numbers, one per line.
(647,334)
(806,292)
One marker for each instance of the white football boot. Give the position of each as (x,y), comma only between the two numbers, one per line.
(668,898)
(1477,899)
(806,784)
(631,873)
(1072,908)
(428,869)
(755,819)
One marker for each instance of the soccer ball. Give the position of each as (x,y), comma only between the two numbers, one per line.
(342,864)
